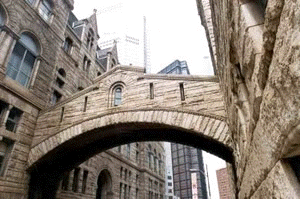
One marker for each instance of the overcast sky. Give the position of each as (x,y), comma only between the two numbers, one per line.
(173,25)
(175,33)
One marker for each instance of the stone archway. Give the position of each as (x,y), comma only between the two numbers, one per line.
(104,182)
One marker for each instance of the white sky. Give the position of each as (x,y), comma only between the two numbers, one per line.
(175,33)
(174,27)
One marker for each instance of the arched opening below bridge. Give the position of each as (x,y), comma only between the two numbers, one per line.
(104,183)
(46,173)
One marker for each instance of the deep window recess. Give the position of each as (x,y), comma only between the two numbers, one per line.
(59,82)
(151,91)
(90,39)
(128,151)
(85,103)
(263,4)
(22,60)
(182,96)
(5,150)
(62,114)
(68,45)
(56,96)
(84,180)
(65,181)
(75,179)
(2,16)
(45,9)
(3,109)
(13,119)
(117,96)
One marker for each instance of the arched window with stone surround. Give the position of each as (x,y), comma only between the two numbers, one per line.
(22,60)
(117,95)
(2,16)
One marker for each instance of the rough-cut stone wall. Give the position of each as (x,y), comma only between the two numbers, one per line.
(201,111)
(257,64)
(115,161)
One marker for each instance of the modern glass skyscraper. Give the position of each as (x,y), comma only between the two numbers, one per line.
(187,162)
(129,29)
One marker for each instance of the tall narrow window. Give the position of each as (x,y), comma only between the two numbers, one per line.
(45,9)
(128,151)
(65,181)
(62,114)
(84,180)
(23,57)
(151,91)
(90,39)
(182,91)
(121,188)
(5,149)
(118,96)
(75,179)
(85,103)
(13,119)
(68,45)
(3,108)
(2,16)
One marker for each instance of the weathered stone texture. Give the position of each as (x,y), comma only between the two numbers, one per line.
(257,64)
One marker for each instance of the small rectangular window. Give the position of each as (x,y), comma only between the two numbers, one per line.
(62,114)
(151,91)
(85,103)
(13,119)
(182,91)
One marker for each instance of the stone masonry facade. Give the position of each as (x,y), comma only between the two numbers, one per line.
(58,57)
(63,100)
(255,51)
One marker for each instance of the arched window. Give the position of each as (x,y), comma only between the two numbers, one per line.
(22,60)
(45,9)
(117,96)
(2,16)
(104,183)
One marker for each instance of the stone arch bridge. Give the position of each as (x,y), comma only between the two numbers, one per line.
(176,108)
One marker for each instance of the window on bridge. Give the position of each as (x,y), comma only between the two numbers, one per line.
(117,96)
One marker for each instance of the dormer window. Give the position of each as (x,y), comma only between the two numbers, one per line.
(90,39)
(45,9)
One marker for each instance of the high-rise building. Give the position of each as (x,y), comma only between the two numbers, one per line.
(187,162)
(130,31)
(223,183)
